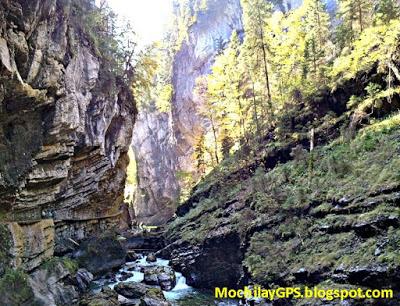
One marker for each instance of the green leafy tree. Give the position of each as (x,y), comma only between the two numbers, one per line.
(199,155)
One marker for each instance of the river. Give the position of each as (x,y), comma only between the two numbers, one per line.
(180,295)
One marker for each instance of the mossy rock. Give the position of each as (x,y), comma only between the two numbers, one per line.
(15,289)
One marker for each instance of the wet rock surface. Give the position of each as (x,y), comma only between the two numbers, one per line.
(145,283)
(83,279)
(133,290)
(160,276)
(210,265)
(151,257)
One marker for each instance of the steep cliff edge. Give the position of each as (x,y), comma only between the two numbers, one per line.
(66,122)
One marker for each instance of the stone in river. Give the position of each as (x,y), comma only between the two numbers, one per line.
(151,257)
(161,276)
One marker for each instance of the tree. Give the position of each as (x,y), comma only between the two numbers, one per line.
(316,24)
(226,144)
(386,10)
(199,155)
(206,110)
(144,71)
(255,16)
(355,16)
(224,89)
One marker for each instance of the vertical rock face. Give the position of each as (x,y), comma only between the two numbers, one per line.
(287,5)
(164,141)
(65,120)
(211,31)
(156,168)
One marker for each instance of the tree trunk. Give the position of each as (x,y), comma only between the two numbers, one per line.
(260,24)
(215,140)
(255,110)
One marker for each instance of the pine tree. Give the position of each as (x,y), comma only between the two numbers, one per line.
(226,144)
(386,10)
(316,26)
(256,14)
(355,16)
(199,155)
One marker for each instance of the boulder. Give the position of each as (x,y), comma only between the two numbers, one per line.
(51,284)
(150,276)
(167,280)
(151,257)
(161,276)
(149,296)
(153,302)
(154,297)
(132,290)
(100,255)
(83,279)
(124,276)
(107,297)
(123,301)
(132,256)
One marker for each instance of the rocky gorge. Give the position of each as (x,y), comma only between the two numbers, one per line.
(311,199)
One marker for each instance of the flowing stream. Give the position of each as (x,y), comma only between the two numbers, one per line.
(180,295)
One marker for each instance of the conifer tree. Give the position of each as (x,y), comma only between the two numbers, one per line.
(316,24)
(386,10)
(255,16)
(355,17)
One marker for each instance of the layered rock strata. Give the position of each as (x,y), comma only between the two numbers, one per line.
(66,121)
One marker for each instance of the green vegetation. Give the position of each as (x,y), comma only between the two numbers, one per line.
(152,83)
(113,43)
(285,61)
(185,180)
(15,289)
(68,263)
(305,224)
(163,102)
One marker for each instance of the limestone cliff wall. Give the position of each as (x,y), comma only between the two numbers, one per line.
(164,141)
(32,243)
(66,120)
(156,168)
